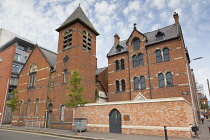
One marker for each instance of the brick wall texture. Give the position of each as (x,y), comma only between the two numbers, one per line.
(146,117)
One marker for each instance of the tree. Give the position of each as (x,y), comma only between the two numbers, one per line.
(76,90)
(14,101)
(203,105)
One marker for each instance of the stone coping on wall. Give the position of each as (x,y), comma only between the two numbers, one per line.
(145,127)
(173,99)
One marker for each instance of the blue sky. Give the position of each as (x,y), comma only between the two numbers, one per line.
(37,20)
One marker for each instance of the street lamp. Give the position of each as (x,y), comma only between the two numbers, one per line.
(189,80)
(208,87)
(5,98)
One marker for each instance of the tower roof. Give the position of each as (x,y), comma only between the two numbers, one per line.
(78,15)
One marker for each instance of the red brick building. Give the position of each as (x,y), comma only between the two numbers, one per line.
(145,66)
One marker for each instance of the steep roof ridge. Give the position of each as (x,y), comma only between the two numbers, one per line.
(79,15)
(100,70)
(50,56)
(160,29)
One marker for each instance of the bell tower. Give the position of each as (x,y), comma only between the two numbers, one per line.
(77,50)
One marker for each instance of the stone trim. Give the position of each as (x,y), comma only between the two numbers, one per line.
(144,127)
(174,99)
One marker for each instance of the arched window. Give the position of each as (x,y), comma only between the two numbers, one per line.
(117,64)
(20,109)
(123,84)
(158,56)
(32,76)
(142,82)
(136,43)
(136,83)
(169,80)
(141,61)
(161,80)
(122,64)
(62,109)
(28,107)
(135,62)
(159,36)
(67,38)
(36,107)
(166,54)
(87,41)
(117,86)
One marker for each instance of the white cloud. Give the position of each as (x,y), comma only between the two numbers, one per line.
(159,4)
(175,3)
(133,6)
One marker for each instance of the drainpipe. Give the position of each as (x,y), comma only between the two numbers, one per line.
(129,75)
(150,87)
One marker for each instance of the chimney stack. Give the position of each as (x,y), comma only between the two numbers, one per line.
(116,39)
(176,18)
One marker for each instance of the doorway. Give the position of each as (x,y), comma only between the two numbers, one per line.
(115,124)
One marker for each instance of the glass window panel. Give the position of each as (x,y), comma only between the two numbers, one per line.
(158,56)
(169,79)
(136,83)
(143,84)
(161,80)
(166,54)
(141,61)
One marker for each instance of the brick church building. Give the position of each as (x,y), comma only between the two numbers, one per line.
(145,67)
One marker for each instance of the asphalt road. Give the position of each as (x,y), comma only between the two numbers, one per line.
(17,135)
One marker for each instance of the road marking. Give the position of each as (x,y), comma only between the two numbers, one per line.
(41,134)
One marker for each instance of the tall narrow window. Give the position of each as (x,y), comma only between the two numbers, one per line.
(36,107)
(65,75)
(20,109)
(28,107)
(123,84)
(141,61)
(67,41)
(166,54)
(117,86)
(32,76)
(135,62)
(62,109)
(142,82)
(87,41)
(158,56)
(169,80)
(136,43)
(136,83)
(122,64)
(117,64)
(161,80)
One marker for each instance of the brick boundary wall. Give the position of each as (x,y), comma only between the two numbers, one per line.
(147,117)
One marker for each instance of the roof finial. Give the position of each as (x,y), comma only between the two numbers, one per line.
(134,26)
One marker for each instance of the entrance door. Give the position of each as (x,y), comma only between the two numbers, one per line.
(115,121)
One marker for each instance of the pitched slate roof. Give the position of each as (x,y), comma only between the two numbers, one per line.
(170,32)
(114,51)
(78,15)
(100,70)
(49,55)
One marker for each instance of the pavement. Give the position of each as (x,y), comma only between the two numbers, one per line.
(204,133)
